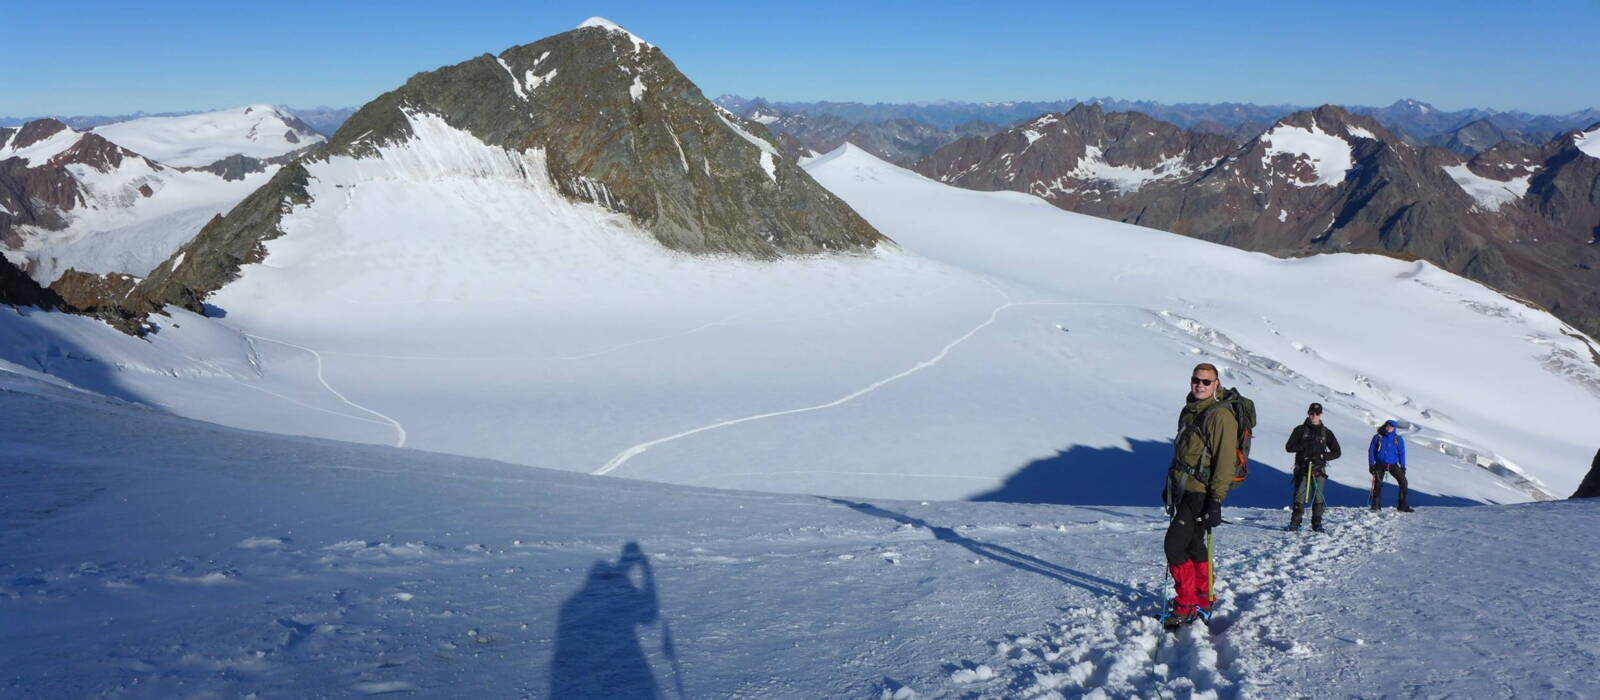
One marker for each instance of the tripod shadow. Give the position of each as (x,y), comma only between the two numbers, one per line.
(598,651)
(1005,555)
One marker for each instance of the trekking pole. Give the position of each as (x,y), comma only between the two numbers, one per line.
(1211,572)
(1306,502)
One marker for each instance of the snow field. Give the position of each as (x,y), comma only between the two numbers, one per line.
(156,556)
(1116,649)
(1488,193)
(1589,142)
(444,297)
(196,140)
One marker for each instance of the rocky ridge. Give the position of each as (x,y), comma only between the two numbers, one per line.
(1522,219)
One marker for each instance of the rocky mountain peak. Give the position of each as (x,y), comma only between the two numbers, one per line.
(97,152)
(606,117)
(36,131)
(1337,121)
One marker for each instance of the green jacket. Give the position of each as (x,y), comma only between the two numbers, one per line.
(1221,455)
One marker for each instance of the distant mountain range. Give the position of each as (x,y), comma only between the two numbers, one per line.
(1522,218)
(907,132)
(325,120)
(1418,123)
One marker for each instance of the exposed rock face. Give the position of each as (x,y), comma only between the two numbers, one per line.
(1519,218)
(18,289)
(619,127)
(235,167)
(1590,488)
(96,295)
(1082,160)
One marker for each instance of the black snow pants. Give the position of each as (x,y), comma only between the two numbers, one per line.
(1319,483)
(1378,472)
(1186,538)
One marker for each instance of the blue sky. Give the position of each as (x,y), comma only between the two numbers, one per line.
(101,58)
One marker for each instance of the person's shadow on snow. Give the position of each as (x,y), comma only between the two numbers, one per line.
(1004,555)
(598,654)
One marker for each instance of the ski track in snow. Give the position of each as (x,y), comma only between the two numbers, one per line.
(303,404)
(636,450)
(1116,649)
(400,430)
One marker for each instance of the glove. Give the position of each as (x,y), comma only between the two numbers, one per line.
(1212,516)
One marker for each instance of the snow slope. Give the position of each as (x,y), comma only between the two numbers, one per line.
(444,297)
(118,229)
(257,131)
(148,556)
(131,216)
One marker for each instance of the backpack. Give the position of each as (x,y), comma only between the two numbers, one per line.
(1244,413)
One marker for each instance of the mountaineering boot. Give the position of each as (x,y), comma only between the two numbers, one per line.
(1171,620)
(1405,508)
(1294,518)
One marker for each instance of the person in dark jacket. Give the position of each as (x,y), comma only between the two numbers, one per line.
(1387,455)
(1313,445)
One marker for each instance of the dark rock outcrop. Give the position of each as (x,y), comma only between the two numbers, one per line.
(18,289)
(1590,488)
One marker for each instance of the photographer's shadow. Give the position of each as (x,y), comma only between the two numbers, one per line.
(598,653)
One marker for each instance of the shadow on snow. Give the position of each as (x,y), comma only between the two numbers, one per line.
(1113,476)
(1004,555)
(598,652)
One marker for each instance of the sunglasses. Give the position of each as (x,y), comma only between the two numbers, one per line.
(1202,382)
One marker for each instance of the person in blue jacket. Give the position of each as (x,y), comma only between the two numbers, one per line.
(1387,455)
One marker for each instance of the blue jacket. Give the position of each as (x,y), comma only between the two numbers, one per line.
(1387,448)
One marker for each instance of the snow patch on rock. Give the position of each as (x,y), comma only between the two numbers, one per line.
(1329,155)
(1125,178)
(1490,194)
(1589,142)
(768,151)
(639,45)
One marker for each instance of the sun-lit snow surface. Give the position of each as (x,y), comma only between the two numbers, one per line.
(1488,193)
(118,229)
(257,131)
(148,556)
(1329,155)
(1589,142)
(37,153)
(429,297)
(1125,178)
(445,297)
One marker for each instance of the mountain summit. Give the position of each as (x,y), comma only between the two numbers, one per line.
(596,113)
